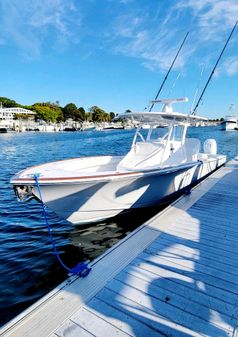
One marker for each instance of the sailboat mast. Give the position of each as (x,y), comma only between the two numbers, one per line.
(172,64)
(213,70)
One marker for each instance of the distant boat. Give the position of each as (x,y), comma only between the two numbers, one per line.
(3,129)
(88,126)
(43,127)
(230,121)
(145,126)
(112,126)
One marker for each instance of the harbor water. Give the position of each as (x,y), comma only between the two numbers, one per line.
(29,268)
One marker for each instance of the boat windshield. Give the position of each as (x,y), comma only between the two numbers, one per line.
(168,133)
(157,133)
(177,133)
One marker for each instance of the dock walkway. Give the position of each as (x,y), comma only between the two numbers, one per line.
(177,275)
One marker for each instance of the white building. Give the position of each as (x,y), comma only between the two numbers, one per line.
(8,116)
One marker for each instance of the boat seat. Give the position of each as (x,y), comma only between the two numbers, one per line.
(192,149)
(185,153)
(142,156)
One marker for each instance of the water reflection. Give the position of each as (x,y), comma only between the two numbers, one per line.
(92,241)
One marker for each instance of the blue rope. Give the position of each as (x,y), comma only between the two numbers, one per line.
(82,269)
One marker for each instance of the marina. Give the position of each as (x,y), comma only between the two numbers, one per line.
(118,219)
(174,275)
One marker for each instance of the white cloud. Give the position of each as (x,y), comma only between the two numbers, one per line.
(135,34)
(231,66)
(212,17)
(132,28)
(28,23)
(154,35)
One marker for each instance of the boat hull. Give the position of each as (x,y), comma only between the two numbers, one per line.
(229,126)
(229,123)
(82,202)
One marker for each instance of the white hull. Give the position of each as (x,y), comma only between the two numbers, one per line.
(227,126)
(94,199)
(85,190)
(229,123)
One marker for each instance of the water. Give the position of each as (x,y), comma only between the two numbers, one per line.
(29,268)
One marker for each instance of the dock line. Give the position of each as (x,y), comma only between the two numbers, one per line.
(82,269)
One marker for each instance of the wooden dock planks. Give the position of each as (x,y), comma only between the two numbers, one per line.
(175,276)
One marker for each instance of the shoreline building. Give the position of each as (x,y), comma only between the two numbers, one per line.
(11,118)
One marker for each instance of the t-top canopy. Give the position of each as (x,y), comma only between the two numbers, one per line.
(167,115)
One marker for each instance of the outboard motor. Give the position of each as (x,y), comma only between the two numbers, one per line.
(210,146)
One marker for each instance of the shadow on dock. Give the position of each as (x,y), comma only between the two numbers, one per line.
(185,282)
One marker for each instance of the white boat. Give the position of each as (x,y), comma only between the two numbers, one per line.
(88,126)
(89,189)
(44,127)
(230,121)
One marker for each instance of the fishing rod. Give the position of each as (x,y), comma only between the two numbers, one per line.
(198,87)
(172,64)
(213,70)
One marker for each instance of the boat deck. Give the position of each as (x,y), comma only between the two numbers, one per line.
(177,275)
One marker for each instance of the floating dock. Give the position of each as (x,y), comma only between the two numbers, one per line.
(177,275)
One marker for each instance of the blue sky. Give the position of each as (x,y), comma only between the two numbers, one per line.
(115,53)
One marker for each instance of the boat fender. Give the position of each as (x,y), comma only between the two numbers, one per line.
(210,146)
(82,269)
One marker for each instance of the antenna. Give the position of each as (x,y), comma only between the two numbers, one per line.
(232,109)
(168,103)
(172,64)
(213,70)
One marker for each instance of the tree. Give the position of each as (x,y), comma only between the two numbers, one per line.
(48,112)
(71,111)
(88,117)
(81,113)
(112,115)
(98,114)
(53,112)
(9,103)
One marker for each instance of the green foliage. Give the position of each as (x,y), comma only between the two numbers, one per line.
(98,114)
(71,111)
(82,113)
(88,117)
(9,103)
(21,116)
(112,115)
(52,112)
(49,112)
